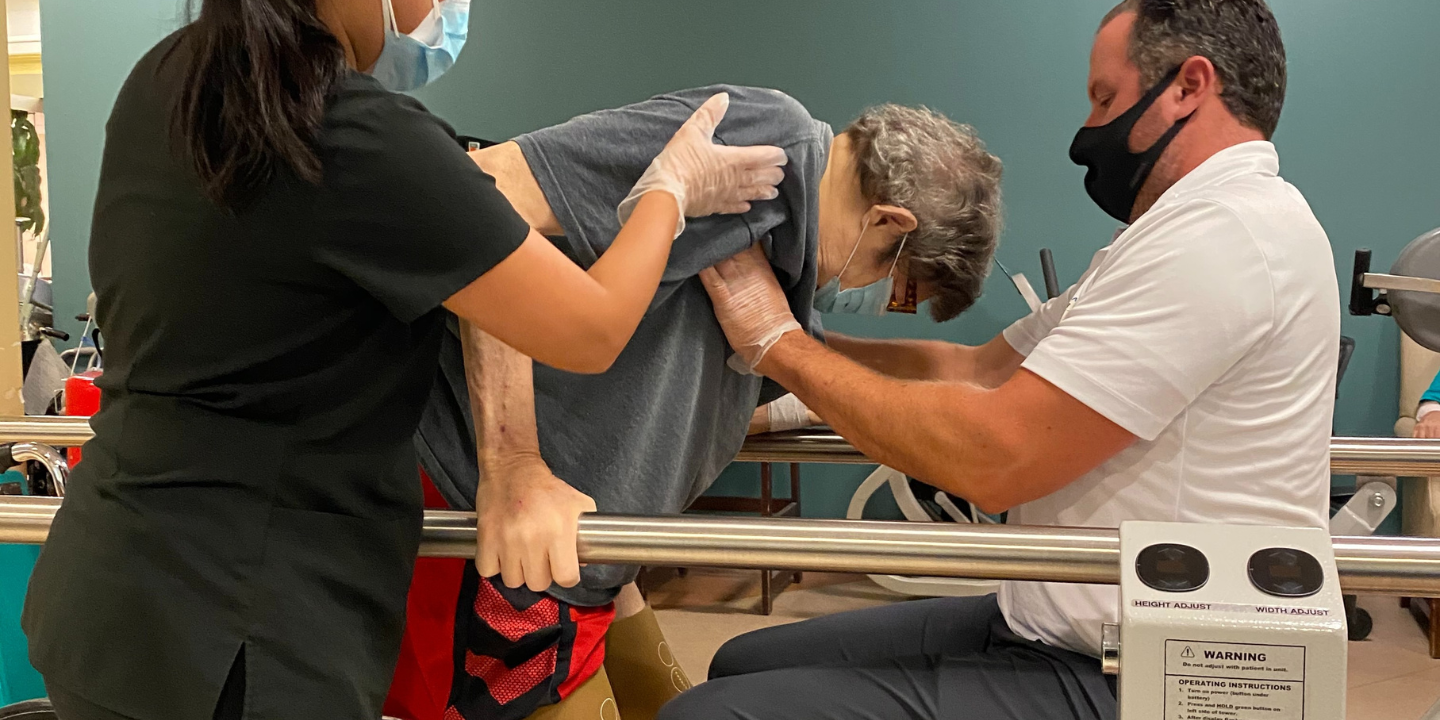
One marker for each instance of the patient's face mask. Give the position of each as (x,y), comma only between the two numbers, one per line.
(873,299)
(410,62)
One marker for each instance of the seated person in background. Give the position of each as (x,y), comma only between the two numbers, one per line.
(903,197)
(1427,418)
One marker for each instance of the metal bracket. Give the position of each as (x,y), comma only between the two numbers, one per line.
(1381,281)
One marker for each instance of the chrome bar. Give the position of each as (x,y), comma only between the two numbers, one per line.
(801,446)
(60,432)
(1367,456)
(1348,456)
(1372,566)
(1389,565)
(898,548)
(1385,456)
(26,520)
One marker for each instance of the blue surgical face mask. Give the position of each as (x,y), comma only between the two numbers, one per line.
(410,62)
(872,299)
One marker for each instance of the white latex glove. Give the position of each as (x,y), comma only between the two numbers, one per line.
(707,178)
(788,413)
(529,521)
(750,306)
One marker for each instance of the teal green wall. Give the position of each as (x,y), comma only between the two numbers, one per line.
(89,49)
(1359,135)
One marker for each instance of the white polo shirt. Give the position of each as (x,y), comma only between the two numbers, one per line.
(1210,329)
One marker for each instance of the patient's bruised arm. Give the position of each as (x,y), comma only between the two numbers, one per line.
(528,518)
(502,399)
(988,365)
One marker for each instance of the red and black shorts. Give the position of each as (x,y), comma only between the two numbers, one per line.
(477,650)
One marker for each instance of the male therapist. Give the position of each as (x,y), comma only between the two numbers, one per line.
(1188,376)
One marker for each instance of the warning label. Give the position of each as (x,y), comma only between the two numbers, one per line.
(1233,681)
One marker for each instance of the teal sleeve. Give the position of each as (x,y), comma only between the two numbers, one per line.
(1433,394)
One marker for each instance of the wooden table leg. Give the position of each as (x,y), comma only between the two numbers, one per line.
(1434,628)
(1427,613)
(767,601)
(795,498)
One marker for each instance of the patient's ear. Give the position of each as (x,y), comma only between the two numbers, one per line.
(898,219)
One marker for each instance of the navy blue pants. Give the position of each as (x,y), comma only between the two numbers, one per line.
(951,658)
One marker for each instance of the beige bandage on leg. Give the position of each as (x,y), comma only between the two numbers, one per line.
(643,671)
(593,700)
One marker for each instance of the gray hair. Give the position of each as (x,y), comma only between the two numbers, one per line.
(939,170)
(1239,37)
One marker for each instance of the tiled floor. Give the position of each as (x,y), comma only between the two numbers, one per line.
(1391,675)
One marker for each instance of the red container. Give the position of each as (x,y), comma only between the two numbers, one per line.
(82,399)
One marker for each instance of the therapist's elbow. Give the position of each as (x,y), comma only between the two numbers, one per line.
(587,358)
(591,351)
(994,505)
(990,476)
(987,496)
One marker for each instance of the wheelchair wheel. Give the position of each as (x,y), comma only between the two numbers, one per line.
(1359,628)
(28,710)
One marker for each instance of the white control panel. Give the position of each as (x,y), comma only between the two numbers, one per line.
(1226,622)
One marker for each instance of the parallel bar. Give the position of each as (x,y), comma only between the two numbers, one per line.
(1385,456)
(1383,566)
(1348,456)
(1368,456)
(60,432)
(801,446)
(898,548)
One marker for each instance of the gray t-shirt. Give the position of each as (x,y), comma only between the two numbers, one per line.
(652,433)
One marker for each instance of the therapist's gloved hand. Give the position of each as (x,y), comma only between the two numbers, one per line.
(707,178)
(750,305)
(528,525)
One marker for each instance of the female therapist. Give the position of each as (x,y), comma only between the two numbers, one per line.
(275,235)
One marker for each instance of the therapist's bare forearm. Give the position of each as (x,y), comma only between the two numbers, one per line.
(502,401)
(541,303)
(941,432)
(906,359)
(989,365)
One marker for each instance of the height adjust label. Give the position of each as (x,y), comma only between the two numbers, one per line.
(1233,681)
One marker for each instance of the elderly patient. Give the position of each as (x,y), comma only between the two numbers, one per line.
(902,207)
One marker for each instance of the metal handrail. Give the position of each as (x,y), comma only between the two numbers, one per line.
(60,432)
(812,446)
(54,462)
(1383,566)
(1348,456)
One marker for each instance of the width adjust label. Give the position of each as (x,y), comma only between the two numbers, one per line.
(1233,681)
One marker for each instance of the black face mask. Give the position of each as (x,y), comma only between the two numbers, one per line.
(1116,174)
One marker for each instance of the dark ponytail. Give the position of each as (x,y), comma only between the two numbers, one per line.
(256,79)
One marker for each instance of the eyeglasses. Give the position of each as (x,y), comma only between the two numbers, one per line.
(908,302)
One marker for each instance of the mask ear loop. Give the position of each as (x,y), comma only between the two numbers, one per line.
(853,250)
(389,7)
(898,253)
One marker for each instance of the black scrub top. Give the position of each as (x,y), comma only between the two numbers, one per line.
(251,482)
